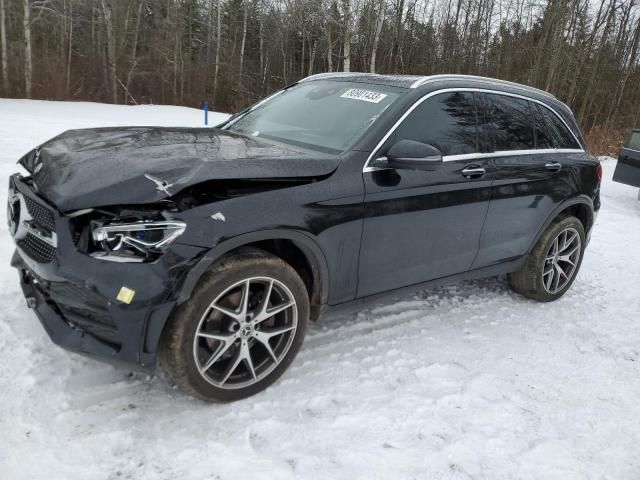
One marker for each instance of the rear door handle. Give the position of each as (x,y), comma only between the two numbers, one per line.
(473,172)
(553,166)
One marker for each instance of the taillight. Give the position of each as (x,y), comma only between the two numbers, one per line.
(599,171)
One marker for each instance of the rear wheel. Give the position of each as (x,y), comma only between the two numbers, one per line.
(241,329)
(553,264)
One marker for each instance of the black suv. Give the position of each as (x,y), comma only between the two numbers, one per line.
(210,249)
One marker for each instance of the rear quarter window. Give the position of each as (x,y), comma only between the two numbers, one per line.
(551,132)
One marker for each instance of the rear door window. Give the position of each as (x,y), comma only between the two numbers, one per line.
(634,141)
(510,119)
(551,132)
(446,121)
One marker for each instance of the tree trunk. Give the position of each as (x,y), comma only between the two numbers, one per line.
(346,39)
(28,68)
(376,37)
(176,53)
(312,60)
(244,38)
(68,83)
(284,59)
(329,48)
(134,53)
(303,52)
(261,35)
(396,44)
(218,39)
(3,40)
(209,33)
(111,49)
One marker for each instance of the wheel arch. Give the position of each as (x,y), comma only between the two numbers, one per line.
(297,248)
(580,207)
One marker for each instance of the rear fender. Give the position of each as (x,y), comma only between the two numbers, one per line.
(579,200)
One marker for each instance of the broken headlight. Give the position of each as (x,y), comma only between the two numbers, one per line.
(135,241)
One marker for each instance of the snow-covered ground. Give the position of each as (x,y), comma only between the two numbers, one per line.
(465,381)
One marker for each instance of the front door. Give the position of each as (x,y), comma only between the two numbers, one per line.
(422,224)
(628,168)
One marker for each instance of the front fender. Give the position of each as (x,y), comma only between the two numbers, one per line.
(304,241)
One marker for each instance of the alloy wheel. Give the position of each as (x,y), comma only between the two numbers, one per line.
(245,332)
(561,261)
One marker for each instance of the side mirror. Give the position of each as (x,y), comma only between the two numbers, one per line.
(410,154)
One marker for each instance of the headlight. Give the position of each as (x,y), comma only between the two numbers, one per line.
(135,241)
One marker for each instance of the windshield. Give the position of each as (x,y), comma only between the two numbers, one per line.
(326,116)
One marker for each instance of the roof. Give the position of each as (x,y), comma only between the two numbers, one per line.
(415,81)
(405,81)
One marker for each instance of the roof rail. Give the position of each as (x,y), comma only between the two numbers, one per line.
(319,76)
(434,78)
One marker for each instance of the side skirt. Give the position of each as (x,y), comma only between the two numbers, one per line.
(385,297)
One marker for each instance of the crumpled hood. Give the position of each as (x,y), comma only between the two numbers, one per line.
(136,165)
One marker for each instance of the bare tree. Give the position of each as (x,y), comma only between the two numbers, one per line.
(134,53)
(397,51)
(107,15)
(329,26)
(376,35)
(218,41)
(245,12)
(70,48)
(3,40)
(346,36)
(28,66)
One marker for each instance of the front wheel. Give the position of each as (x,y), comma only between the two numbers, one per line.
(554,262)
(241,329)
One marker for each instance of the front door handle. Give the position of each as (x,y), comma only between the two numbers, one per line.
(553,166)
(473,172)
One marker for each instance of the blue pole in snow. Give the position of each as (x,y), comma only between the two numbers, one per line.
(206,112)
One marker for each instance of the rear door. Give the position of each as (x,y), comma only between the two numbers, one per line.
(533,154)
(628,168)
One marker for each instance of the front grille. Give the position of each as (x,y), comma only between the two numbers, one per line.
(42,215)
(37,249)
(31,222)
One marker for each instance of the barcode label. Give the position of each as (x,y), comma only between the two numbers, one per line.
(364,95)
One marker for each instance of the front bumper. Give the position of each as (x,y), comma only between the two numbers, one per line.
(75,295)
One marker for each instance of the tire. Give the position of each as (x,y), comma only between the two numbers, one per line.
(205,337)
(531,281)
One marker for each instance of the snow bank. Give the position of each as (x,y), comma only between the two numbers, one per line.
(465,381)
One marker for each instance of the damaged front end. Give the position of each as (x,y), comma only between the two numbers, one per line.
(111,224)
(108,283)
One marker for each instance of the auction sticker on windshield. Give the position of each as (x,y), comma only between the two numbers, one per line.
(364,95)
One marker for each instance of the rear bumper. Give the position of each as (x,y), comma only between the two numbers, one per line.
(75,297)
